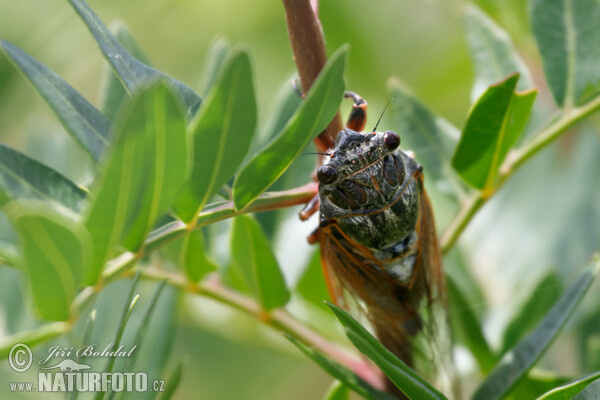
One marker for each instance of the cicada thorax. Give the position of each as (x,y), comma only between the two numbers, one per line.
(378,239)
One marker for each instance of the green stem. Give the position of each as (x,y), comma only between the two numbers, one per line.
(34,336)
(215,213)
(546,136)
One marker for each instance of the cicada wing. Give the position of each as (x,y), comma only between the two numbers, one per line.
(409,319)
(435,344)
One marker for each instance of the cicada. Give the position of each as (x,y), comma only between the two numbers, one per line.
(379,245)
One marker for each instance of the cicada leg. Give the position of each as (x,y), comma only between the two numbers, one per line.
(358,116)
(311,207)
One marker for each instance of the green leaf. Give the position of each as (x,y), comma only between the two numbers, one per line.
(22,177)
(536,383)
(83,121)
(337,391)
(567,34)
(254,258)
(217,54)
(315,113)
(285,104)
(9,254)
(221,134)
(467,327)
(493,126)
(194,258)
(515,364)
(543,297)
(401,375)
(56,248)
(159,120)
(86,335)
(134,74)
(172,382)
(569,390)
(432,138)
(125,315)
(142,328)
(591,392)
(494,56)
(113,93)
(311,285)
(141,178)
(341,373)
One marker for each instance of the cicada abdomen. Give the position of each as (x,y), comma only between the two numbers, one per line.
(379,245)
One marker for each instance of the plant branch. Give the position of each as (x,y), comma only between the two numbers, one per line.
(34,336)
(515,160)
(278,319)
(308,46)
(214,213)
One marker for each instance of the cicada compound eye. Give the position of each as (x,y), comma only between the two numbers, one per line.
(391,140)
(327,174)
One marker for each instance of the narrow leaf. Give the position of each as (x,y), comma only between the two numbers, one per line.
(432,138)
(134,74)
(172,382)
(142,329)
(467,327)
(141,178)
(569,390)
(515,364)
(221,134)
(543,297)
(536,383)
(567,33)
(313,116)
(493,126)
(87,334)
(83,121)
(113,93)
(254,258)
(337,391)
(217,54)
(128,307)
(591,392)
(9,254)
(492,52)
(55,250)
(194,258)
(341,373)
(22,177)
(158,120)
(407,380)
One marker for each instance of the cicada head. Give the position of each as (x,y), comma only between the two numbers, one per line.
(368,186)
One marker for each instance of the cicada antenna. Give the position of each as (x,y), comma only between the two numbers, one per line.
(384,108)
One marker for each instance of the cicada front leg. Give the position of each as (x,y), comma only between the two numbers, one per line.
(358,116)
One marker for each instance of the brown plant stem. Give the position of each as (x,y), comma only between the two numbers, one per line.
(308,46)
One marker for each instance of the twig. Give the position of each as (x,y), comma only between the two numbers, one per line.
(218,212)
(278,319)
(515,160)
(308,46)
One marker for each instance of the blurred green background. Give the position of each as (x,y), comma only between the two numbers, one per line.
(546,219)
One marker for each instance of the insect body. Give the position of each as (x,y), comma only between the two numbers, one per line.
(378,240)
